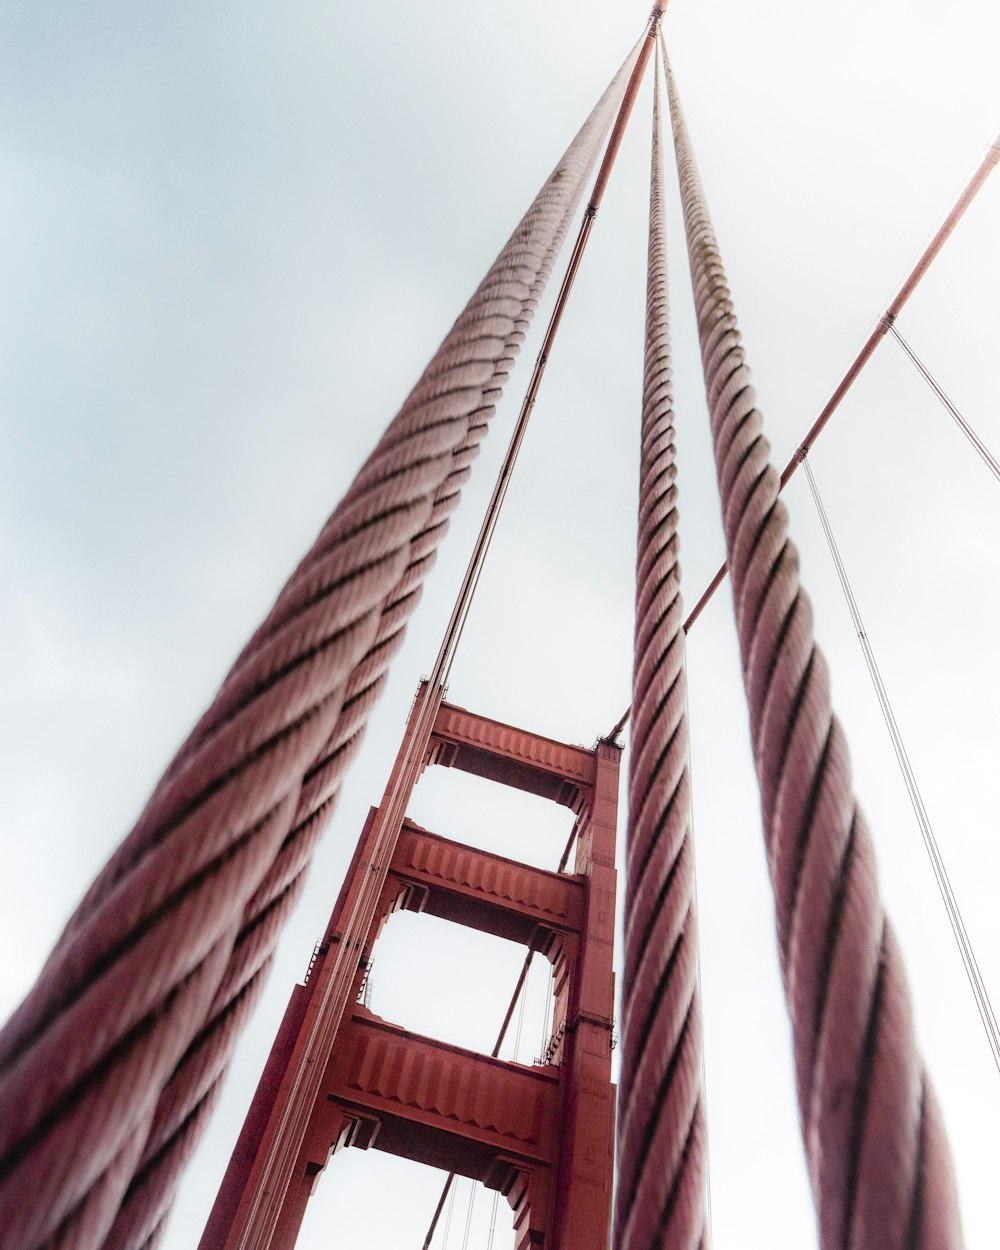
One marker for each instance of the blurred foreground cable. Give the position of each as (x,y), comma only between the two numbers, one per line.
(976,442)
(107,1068)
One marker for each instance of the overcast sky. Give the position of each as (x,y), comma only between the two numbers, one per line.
(234,234)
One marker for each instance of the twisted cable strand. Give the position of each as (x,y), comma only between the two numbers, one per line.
(134,976)
(661,1152)
(322,780)
(877,1155)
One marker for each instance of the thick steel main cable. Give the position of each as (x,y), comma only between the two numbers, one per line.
(495,1052)
(283,883)
(271,1175)
(185,912)
(660,1194)
(875,1144)
(331,998)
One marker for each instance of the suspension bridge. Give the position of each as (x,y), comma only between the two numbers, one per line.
(531,623)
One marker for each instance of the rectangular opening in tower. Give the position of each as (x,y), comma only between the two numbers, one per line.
(479,813)
(407,1193)
(453,984)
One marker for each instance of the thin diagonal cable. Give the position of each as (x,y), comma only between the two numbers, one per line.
(447,1223)
(955,918)
(133,978)
(979,446)
(660,1195)
(493,1220)
(468,1217)
(878,1158)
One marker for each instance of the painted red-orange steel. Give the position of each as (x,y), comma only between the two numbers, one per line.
(272,1169)
(543,1134)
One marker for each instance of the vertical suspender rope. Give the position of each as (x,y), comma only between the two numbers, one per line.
(875,1144)
(543,1043)
(169,938)
(501,1035)
(955,919)
(660,1196)
(472,574)
(493,1220)
(447,1223)
(519,989)
(975,441)
(271,1181)
(468,1214)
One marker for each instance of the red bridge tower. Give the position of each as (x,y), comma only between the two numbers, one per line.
(542,1135)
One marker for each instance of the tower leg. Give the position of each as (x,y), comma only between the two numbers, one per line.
(234,1183)
(586,1161)
(540,1134)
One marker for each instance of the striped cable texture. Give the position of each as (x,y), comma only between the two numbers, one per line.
(262,921)
(661,1136)
(875,1144)
(107,1064)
